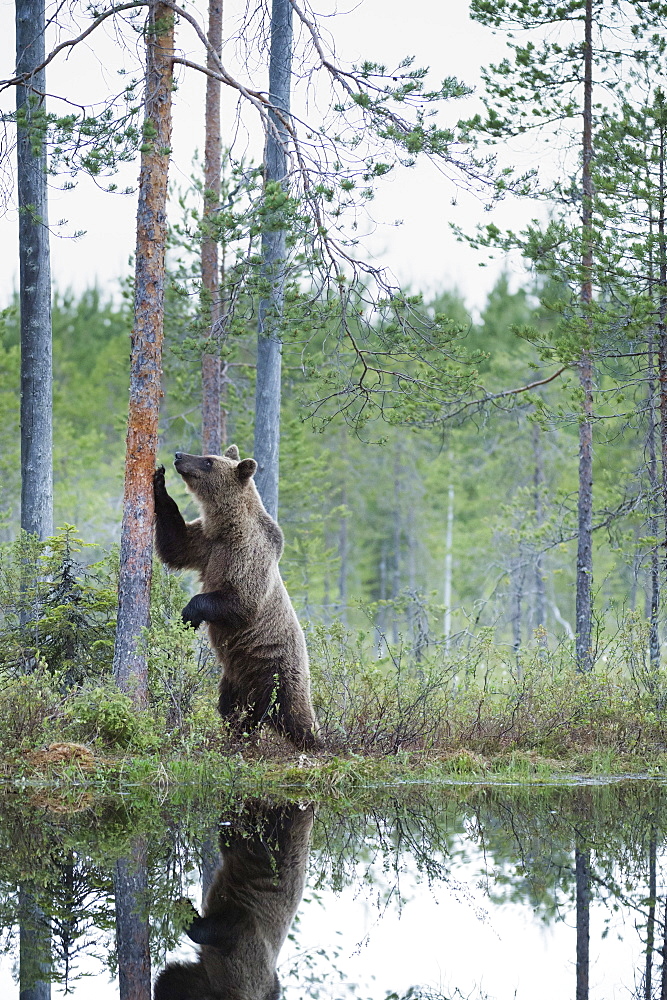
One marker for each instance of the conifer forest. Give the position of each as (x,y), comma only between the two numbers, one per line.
(473,493)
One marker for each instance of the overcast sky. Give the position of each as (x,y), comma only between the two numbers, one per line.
(421,252)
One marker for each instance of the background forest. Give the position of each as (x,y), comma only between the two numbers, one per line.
(472,503)
(366,517)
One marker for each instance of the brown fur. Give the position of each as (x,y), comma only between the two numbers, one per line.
(235,546)
(248,911)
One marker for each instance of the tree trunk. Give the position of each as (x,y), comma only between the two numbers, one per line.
(585,502)
(269,346)
(211,366)
(136,546)
(449,537)
(662,320)
(540,619)
(34,278)
(132,929)
(343,551)
(654,489)
(583,893)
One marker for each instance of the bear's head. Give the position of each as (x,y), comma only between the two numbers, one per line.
(218,482)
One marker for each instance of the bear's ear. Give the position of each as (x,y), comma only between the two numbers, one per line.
(246,469)
(233,452)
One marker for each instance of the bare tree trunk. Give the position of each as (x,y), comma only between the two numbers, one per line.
(583,892)
(396,574)
(540,619)
(269,345)
(132,929)
(449,537)
(211,365)
(36,387)
(518,577)
(34,279)
(662,317)
(343,550)
(585,502)
(136,546)
(654,590)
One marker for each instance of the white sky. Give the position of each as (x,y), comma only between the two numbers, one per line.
(421,252)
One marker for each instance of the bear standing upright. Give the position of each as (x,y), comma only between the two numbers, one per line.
(235,546)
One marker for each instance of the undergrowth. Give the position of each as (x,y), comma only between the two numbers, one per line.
(470,708)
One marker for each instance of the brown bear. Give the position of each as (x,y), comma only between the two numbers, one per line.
(248,910)
(235,546)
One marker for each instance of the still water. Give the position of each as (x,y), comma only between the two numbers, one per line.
(421,892)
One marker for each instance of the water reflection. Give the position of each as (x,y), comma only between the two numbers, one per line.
(248,909)
(482,892)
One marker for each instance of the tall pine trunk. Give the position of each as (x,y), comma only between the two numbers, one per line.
(211,366)
(34,279)
(136,547)
(585,502)
(269,346)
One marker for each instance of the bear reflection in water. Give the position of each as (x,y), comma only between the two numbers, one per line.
(248,910)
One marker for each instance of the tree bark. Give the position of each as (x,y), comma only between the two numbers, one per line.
(449,538)
(136,547)
(584,609)
(132,929)
(662,317)
(211,365)
(540,619)
(34,278)
(269,345)
(654,589)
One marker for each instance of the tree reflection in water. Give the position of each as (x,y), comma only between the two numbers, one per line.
(582,860)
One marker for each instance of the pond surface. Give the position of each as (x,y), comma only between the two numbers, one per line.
(456,891)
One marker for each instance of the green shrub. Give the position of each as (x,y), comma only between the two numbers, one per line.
(106,714)
(54,609)
(31,707)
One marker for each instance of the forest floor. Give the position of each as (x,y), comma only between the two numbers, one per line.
(273,767)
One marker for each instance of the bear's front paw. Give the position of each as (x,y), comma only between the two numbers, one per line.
(159,485)
(191,616)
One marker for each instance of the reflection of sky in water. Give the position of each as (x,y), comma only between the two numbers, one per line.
(370,939)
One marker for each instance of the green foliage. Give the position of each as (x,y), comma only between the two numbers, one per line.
(55,611)
(102,713)
(31,710)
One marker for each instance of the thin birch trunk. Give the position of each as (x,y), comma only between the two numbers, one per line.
(449,538)
(136,546)
(540,619)
(34,279)
(211,365)
(269,345)
(584,608)
(396,574)
(343,551)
